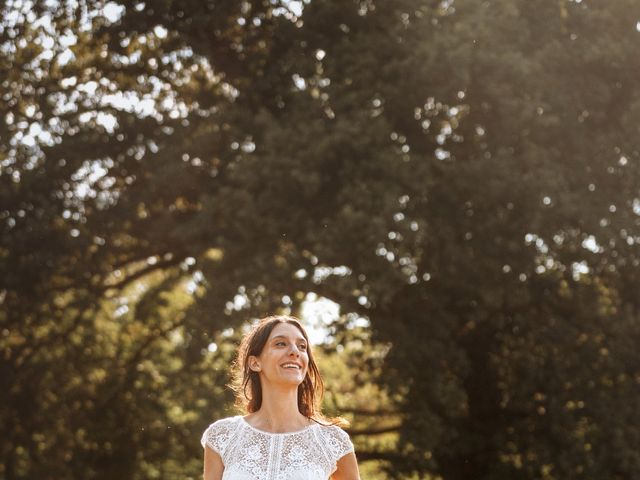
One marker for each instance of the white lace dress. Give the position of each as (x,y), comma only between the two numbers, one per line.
(251,454)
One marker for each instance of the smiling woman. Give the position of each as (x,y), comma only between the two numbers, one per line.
(284,435)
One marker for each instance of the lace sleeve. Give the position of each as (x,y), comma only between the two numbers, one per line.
(218,434)
(338,442)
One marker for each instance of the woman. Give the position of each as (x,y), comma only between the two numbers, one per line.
(283,436)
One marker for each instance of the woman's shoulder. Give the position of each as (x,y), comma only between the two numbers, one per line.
(218,434)
(337,439)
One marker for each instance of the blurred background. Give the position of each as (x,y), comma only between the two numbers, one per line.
(446,191)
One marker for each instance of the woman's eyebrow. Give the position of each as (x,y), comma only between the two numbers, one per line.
(300,339)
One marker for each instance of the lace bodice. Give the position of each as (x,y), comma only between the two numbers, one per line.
(251,454)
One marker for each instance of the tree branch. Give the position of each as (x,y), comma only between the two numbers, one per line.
(375,430)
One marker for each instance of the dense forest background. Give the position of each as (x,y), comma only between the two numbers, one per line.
(451,186)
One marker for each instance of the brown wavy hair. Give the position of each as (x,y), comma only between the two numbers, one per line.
(246,382)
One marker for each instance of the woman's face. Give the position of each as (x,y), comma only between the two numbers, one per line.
(284,359)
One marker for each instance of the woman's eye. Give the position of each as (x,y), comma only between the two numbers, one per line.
(278,344)
(302,346)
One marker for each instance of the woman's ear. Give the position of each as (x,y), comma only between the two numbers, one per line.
(254,364)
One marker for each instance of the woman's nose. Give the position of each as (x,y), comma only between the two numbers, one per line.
(294,351)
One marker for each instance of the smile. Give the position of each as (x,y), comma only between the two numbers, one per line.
(292,365)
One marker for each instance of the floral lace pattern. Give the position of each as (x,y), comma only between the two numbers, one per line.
(252,454)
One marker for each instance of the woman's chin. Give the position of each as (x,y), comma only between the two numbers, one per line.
(292,380)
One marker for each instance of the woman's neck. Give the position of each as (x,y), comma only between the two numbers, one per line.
(279,412)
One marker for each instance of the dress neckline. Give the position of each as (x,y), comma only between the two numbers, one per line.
(244,420)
